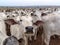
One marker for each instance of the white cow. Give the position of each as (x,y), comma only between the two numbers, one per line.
(19,30)
(4,39)
(51,24)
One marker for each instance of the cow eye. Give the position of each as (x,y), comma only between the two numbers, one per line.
(34,15)
(7,16)
(13,16)
(32,20)
(43,14)
(21,20)
(16,12)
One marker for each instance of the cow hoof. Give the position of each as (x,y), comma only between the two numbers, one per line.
(11,41)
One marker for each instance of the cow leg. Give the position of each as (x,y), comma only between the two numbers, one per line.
(43,39)
(35,36)
(30,38)
(26,40)
(47,39)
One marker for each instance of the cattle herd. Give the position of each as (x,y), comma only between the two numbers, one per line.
(23,24)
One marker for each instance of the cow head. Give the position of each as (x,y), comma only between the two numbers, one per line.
(12,18)
(39,17)
(11,40)
(26,21)
(36,15)
(15,16)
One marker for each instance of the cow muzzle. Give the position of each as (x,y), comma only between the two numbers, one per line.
(29,29)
